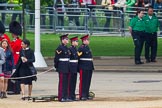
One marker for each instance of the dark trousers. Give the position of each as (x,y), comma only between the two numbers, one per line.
(51,18)
(92,15)
(85,82)
(63,86)
(151,44)
(61,19)
(72,85)
(14,17)
(3,18)
(75,18)
(43,21)
(2,14)
(139,39)
(108,18)
(31,19)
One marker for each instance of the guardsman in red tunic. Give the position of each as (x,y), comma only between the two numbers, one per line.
(86,68)
(61,63)
(16,31)
(73,67)
(2,33)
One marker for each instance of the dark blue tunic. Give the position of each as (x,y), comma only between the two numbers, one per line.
(60,62)
(73,65)
(86,54)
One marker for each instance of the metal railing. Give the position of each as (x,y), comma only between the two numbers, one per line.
(81,20)
(8,13)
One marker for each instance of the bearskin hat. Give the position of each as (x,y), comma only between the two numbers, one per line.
(2,28)
(15,28)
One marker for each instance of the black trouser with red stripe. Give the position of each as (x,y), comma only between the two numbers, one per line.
(63,86)
(85,82)
(72,85)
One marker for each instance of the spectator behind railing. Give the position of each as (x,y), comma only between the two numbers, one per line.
(89,4)
(31,7)
(152,2)
(60,8)
(3,8)
(120,3)
(50,12)
(158,8)
(73,20)
(158,4)
(147,3)
(108,5)
(140,3)
(43,12)
(16,8)
(130,3)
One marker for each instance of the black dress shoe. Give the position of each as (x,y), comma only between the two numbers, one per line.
(139,62)
(147,61)
(69,100)
(153,61)
(4,95)
(23,98)
(83,98)
(75,99)
(90,98)
(63,100)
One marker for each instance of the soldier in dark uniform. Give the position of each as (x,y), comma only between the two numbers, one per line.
(61,63)
(73,67)
(85,68)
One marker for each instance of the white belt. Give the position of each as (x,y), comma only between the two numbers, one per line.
(73,61)
(17,52)
(64,59)
(86,59)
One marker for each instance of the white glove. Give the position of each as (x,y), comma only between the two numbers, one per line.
(13,71)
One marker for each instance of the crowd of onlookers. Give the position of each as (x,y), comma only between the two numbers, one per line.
(74,18)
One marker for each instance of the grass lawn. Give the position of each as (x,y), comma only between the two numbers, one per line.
(101,46)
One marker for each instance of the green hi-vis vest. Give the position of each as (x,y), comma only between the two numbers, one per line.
(137,24)
(151,25)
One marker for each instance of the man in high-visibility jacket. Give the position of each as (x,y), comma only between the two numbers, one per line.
(151,28)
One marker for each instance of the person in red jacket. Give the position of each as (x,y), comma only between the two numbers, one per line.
(2,33)
(16,31)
